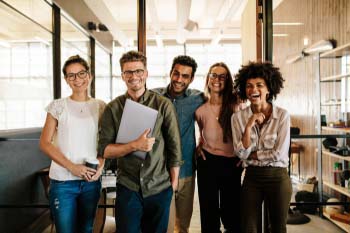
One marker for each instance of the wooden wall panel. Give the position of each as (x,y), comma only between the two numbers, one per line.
(322,19)
(249,34)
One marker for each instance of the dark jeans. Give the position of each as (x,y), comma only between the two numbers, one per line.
(219,189)
(135,214)
(271,185)
(73,205)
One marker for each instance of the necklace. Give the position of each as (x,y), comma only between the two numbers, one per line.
(80,106)
(216,113)
(83,107)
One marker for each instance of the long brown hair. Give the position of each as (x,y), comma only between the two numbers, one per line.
(229,100)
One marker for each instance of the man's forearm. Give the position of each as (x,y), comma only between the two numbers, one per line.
(118,150)
(174,177)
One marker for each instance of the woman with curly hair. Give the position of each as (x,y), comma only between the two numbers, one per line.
(261,135)
(219,170)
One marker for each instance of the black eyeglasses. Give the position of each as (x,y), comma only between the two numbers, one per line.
(130,73)
(222,77)
(81,74)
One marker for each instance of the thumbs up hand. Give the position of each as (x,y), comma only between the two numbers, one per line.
(144,143)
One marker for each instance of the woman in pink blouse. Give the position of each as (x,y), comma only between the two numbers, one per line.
(261,139)
(219,170)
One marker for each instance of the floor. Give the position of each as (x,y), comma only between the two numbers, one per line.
(316,224)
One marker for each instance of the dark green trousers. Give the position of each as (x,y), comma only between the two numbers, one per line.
(272,186)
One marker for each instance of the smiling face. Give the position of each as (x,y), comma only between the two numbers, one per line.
(77,78)
(257,91)
(216,79)
(180,79)
(133,76)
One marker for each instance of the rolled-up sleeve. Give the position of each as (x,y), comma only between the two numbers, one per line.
(107,131)
(237,134)
(171,133)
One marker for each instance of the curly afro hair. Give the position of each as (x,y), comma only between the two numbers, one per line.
(265,70)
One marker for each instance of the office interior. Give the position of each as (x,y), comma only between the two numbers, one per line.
(308,39)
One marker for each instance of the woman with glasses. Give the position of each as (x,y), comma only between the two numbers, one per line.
(219,171)
(261,137)
(69,138)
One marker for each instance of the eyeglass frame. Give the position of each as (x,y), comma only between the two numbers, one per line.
(130,73)
(221,77)
(75,75)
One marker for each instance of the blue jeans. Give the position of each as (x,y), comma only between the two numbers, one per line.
(135,214)
(73,205)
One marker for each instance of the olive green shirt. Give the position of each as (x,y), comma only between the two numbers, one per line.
(152,175)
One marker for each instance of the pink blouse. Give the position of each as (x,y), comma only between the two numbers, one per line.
(211,131)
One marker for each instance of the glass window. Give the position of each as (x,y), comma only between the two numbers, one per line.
(102,74)
(25,71)
(74,42)
(118,85)
(160,61)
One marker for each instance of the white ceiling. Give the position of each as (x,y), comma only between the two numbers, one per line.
(181,20)
(200,21)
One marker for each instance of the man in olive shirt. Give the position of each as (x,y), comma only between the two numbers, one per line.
(144,187)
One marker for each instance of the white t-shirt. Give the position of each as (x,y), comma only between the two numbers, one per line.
(76,133)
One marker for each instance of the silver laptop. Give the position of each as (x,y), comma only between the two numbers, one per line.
(135,120)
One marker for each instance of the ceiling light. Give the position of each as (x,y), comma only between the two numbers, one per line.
(279,35)
(320,46)
(287,24)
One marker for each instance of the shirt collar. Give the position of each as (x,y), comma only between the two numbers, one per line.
(142,99)
(184,95)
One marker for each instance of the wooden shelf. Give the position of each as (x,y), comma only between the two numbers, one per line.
(344,130)
(336,103)
(337,52)
(338,188)
(335,155)
(334,77)
(344,226)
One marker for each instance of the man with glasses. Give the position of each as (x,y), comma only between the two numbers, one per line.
(186,101)
(144,187)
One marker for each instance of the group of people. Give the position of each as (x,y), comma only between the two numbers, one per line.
(156,194)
